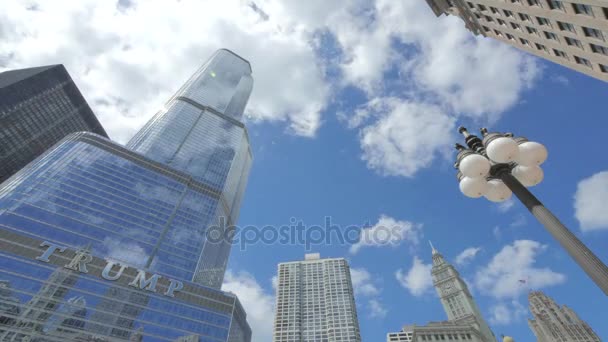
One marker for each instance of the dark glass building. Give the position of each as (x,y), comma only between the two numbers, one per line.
(39,107)
(99,242)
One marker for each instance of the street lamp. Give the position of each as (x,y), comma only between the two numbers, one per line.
(500,165)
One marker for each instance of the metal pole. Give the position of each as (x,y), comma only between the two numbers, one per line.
(584,257)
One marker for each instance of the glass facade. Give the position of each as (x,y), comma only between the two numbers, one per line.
(99,242)
(90,195)
(38,108)
(199,132)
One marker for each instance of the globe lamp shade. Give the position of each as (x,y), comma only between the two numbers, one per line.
(497,191)
(528,175)
(531,153)
(474,166)
(473,187)
(502,150)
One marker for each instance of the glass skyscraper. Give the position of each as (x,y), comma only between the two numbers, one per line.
(99,242)
(200,132)
(39,107)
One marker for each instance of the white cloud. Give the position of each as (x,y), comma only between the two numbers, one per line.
(590,202)
(507,313)
(387,232)
(258,304)
(367,292)
(128,62)
(497,232)
(376,310)
(512,271)
(417,280)
(467,255)
(406,137)
(505,206)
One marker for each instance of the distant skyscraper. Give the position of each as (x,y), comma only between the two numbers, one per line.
(200,133)
(572,33)
(315,302)
(465,321)
(39,107)
(144,221)
(552,323)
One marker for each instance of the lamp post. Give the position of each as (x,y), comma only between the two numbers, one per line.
(500,165)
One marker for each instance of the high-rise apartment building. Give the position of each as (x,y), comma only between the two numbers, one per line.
(39,107)
(129,230)
(554,323)
(573,33)
(315,302)
(465,321)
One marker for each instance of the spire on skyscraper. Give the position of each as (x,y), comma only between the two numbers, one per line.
(434,251)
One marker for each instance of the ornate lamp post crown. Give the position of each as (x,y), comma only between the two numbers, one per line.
(500,165)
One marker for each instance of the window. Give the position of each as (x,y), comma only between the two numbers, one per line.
(604,68)
(524,17)
(482,8)
(489,19)
(515,26)
(560,53)
(541,47)
(543,21)
(508,13)
(510,37)
(524,41)
(551,35)
(494,10)
(501,22)
(534,3)
(470,5)
(531,30)
(591,32)
(582,9)
(566,26)
(582,61)
(516,2)
(573,42)
(556,5)
(498,33)
(599,49)
(486,29)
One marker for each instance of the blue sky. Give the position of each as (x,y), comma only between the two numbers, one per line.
(353,116)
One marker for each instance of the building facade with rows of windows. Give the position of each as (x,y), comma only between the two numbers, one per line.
(315,302)
(573,33)
(552,322)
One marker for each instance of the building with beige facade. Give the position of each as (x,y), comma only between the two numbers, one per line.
(573,33)
(554,323)
(465,321)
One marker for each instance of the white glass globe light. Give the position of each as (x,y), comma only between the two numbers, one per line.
(502,150)
(531,153)
(497,191)
(473,187)
(528,175)
(474,166)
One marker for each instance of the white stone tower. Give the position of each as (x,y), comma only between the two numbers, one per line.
(456,298)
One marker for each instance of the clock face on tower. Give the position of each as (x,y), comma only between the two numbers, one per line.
(447,288)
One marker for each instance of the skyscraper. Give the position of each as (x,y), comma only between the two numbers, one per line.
(457,301)
(465,321)
(200,132)
(144,221)
(572,33)
(315,302)
(38,107)
(552,323)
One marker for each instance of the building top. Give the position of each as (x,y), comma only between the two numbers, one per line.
(312,256)
(13,76)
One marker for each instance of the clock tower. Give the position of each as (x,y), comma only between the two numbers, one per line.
(456,298)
